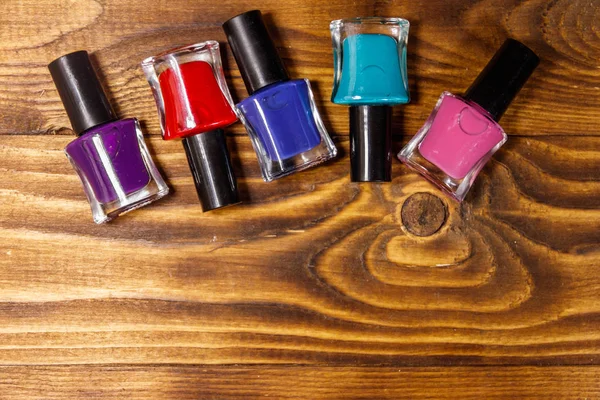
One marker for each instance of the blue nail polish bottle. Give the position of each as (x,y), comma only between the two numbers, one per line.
(280,114)
(370,76)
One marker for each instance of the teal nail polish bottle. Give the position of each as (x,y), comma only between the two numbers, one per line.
(369,56)
(370,61)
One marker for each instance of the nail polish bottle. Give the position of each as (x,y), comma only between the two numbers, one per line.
(370,76)
(110,155)
(280,114)
(194,104)
(462,133)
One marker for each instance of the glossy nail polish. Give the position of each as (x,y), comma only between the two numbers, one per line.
(370,61)
(370,75)
(190,90)
(462,133)
(110,155)
(280,114)
(193,104)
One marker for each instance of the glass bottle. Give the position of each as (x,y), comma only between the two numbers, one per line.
(279,114)
(462,133)
(194,104)
(370,75)
(110,155)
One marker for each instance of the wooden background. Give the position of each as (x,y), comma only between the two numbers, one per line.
(314,287)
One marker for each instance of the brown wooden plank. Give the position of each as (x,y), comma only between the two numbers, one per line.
(313,270)
(297,382)
(450,42)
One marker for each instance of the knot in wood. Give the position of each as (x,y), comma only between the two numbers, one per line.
(423,214)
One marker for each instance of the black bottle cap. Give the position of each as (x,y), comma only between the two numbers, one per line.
(80,91)
(254,51)
(503,77)
(371,143)
(210,164)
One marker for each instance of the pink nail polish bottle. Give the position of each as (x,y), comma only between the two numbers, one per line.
(462,133)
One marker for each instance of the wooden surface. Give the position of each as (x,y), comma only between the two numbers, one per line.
(185,382)
(314,287)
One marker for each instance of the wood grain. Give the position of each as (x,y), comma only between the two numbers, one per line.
(312,277)
(297,382)
(315,270)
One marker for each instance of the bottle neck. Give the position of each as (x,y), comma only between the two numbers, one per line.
(267,86)
(479,108)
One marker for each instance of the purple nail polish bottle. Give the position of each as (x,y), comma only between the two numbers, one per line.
(110,155)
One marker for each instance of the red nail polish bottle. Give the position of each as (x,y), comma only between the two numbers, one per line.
(206,107)
(194,104)
(190,90)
